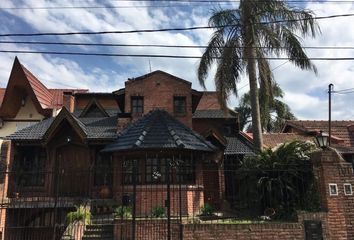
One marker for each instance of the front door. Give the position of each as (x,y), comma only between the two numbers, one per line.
(73,163)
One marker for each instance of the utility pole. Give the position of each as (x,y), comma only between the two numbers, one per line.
(330,91)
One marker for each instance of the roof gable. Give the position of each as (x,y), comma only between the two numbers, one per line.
(157,72)
(22,84)
(209,101)
(74,122)
(94,109)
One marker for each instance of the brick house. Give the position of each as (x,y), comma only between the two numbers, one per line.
(144,142)
(342,134)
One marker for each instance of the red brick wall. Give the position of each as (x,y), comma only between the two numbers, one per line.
(209,101)
(158,91)
(331,169)
(203,126)
(263,231)
(145,229)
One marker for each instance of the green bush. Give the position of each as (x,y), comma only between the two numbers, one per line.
(158,212)
(81,214)
(123,212)
(206,210)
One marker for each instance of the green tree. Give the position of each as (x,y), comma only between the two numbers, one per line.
(273,111)
(242,41)
(284,178)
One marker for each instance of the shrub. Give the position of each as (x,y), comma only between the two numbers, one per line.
(206,210)
(81,214)
(123,212)
(158,212)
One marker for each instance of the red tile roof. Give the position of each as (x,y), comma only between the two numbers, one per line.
(342,131)
(44,99)
(58,95)
(271,140)
(44,96)
(48,98)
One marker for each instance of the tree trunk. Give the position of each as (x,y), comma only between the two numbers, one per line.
(250,55)
(256,116)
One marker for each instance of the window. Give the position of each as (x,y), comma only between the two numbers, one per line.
(186,171)
(128,171)
(179,105)
(155,170)
(29,166)
(103,170)
(333,189)
(137,104)
(348,191)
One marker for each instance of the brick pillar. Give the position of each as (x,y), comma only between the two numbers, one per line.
(331,169)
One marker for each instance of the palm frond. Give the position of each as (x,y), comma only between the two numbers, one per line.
(211,54)
(228,71)
(294,50)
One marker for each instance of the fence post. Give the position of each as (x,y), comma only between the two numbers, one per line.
(179,174)
(134,199)
(168,201)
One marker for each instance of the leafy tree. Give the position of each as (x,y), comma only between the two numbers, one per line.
(273,112)
(283,178)
(242,41)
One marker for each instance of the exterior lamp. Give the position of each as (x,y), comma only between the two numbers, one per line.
(321,140)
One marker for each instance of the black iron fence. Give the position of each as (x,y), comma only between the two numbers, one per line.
(152,204)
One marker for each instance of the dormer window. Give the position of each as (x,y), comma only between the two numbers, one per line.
(137,104)
(179,105)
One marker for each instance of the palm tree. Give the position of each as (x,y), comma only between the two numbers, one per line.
(273,111)
(242,41)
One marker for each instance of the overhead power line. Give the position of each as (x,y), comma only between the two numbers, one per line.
(160,56)
(223,1)
(181,5)
(152,45)
(157,30)
(344,91)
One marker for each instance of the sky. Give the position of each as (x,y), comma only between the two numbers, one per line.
(305,92)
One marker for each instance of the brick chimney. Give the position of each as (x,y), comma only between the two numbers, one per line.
(69,101)
(124,119)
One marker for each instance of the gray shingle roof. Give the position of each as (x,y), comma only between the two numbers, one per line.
(236,145)
(111,112)
(159,130)
(213,113)
(95,128)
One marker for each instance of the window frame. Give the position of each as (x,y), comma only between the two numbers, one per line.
(100,173)
(135,108)
(176,107)
(29,167)
(127,175)
(350,192)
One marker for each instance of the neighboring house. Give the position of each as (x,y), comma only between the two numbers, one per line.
(342,136)
(273,140)
(26,101)
(156,128)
